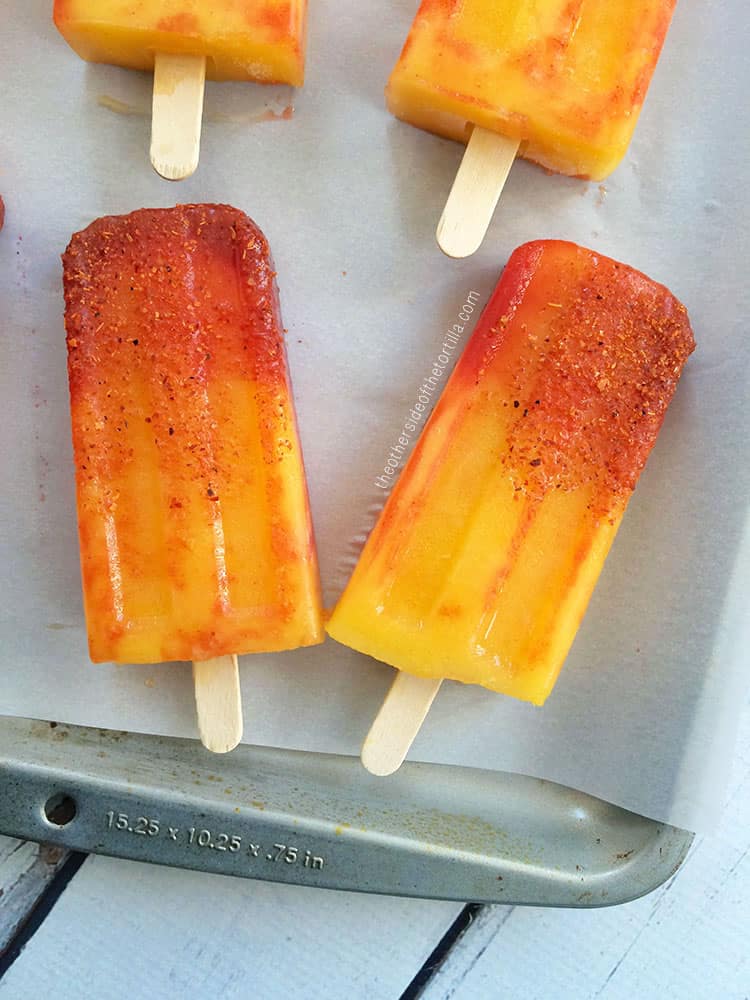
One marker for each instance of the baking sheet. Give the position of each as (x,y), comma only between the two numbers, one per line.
(645,711)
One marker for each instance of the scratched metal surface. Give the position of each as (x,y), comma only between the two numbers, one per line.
(686,941)
(321,820)
(199,935)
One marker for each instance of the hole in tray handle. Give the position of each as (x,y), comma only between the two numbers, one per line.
(60,809)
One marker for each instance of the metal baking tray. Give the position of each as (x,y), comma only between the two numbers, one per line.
(314,819)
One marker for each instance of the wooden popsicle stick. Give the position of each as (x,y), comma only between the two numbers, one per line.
(219,703)
(397,723)
(177,114)
(479,182)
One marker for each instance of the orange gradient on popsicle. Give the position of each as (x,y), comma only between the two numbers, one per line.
(486,554)
(565,77)
(261,40)
(194,525)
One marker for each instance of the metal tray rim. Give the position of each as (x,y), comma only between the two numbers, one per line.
(432,831)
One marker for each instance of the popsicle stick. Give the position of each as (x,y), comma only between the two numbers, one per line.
(475,192)
(177,114)
(397,723)
(219,703)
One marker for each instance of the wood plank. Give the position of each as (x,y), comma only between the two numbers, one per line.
(26,870)
(209,936)
(687,939)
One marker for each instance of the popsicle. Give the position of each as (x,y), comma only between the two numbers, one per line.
(485,556)
(561,81)
(182,42)
(194,525)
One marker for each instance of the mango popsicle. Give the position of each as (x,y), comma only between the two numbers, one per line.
(195,531)
(261,40)
(483,560)
(565,79)
(183,41)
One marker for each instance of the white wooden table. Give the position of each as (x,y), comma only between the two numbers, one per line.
(101,929)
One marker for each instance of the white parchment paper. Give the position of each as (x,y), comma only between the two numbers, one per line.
(645,710)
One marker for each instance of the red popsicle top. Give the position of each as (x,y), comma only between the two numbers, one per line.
(603,347)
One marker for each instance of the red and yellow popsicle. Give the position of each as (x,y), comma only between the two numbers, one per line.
(565,77)
(195,531)
(485,556)
(261,40)
(560,82)
(183,42)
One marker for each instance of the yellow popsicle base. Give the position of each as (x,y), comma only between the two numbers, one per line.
(266,45)
(531,565)
(267,587)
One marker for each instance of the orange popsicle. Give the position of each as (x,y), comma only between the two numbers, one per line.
(261,40)
(566,78)
(183,41)
(483,560)
(195,532)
